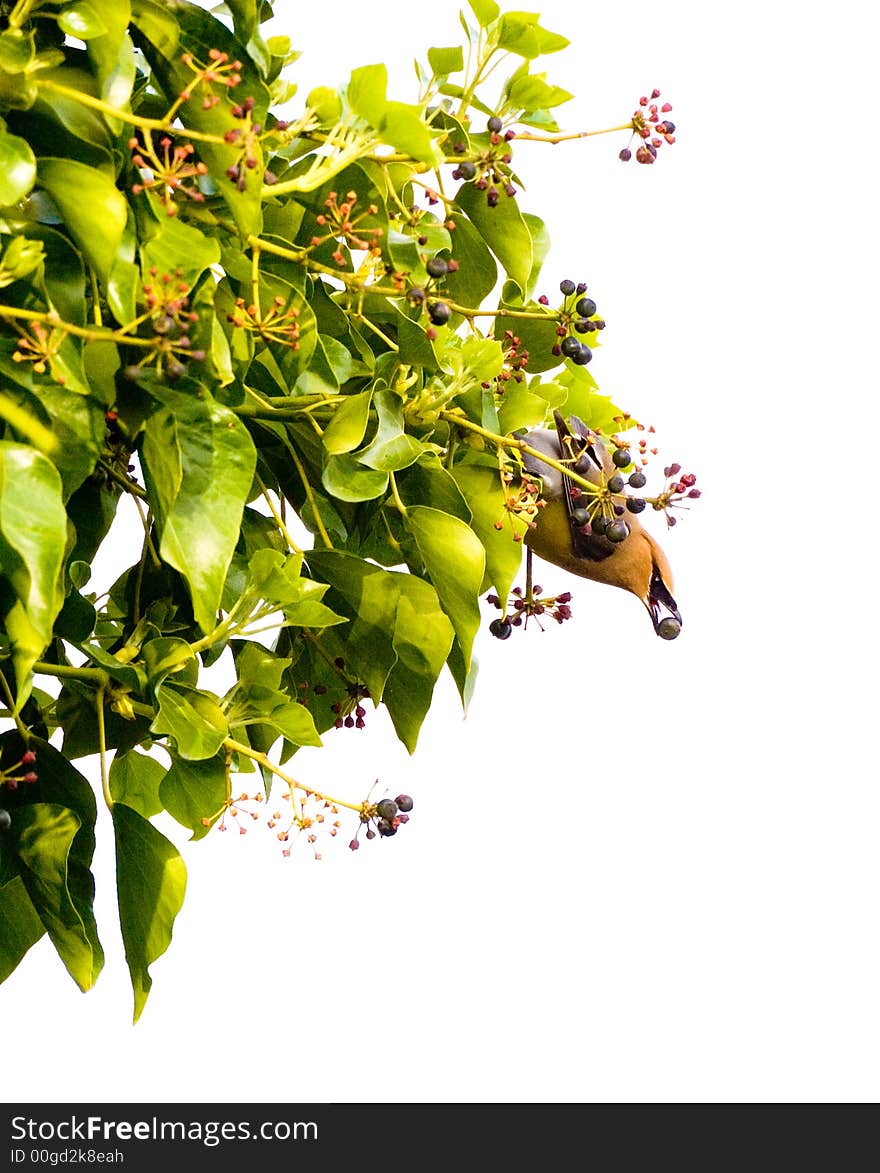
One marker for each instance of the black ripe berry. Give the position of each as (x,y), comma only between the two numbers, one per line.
(385,828)
(494,124)
(386,809)
(617,531)
(580,516)
(583,356)
(586,307)
(404,803)
(626,154)
(466,169)
(5,820)
(637,479)
(615,484)
(570,346)
(600,525)
(567,287)
(635,504)
(621,457)
(439,313)
(669,628)
(583,325)
(437,267)
(500,628)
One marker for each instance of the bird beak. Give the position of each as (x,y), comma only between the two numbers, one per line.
(662,608)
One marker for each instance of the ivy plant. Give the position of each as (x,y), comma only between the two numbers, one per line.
(304,352)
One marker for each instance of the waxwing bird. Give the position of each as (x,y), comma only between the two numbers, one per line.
(597,535)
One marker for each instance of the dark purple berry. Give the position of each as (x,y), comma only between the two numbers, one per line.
(439,313)
(386,809)
(567,287)
(467,169)
(669,628)
(586,307)
(621,457)
(626,154)
(404,803)
(500,628)
(583,325)
(494,124)
(583,356)
(385,828)
(580,516)
(600,525)
(617,531)
(637,479)
(615,484)
(437,267)
(570,346)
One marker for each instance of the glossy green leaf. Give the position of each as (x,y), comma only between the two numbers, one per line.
(134,780)
(193,719)
(112,56)
(485,11)
(503,229)
(598,412)
(193,792)
(366,93)
(531,92)
(199,463)
(346,479)
(404,129)
(455,561)
(94,209)
(348,425)
(82,19)
(477,272)
(391,449)
(18,168)
(44,833)
(33,535)
(481,488)
(151,883)
(20,925)
(446,61)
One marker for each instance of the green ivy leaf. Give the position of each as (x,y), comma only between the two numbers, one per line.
(503,229)
(481,488)
(151,883)
(446,61)
(93,208)
(404,129)
(33,536)
(348,425)
(485,11)
(193,719)
(192,791)
(366,93)
(134,780)
(199,463)
(455,561)
(44,834)
(346,479)
(20,925)
(82,19)
(18,169)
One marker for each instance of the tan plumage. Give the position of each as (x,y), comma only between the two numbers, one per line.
(637,564)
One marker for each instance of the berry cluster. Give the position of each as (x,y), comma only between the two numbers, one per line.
(522,500)
(577,315)
(166,174)
(218,71)
(247,138)
(342,226)
(653,131)
(10,779)
(489,170)
(516,359)
(279,323)
(529,605)
(170,318)
(679,486)
(39,346)
(383,818)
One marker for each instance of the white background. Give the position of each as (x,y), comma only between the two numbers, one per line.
(638,870)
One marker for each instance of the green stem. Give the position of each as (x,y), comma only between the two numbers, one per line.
(102,748)
(511,442)
(96,676)
(163,124)
(13,709)
(239,747)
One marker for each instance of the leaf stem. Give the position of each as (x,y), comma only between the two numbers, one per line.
(102,747)
(13,708)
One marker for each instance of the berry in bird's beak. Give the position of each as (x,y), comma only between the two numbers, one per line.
(669,628)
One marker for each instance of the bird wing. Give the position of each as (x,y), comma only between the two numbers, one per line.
(582,449)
